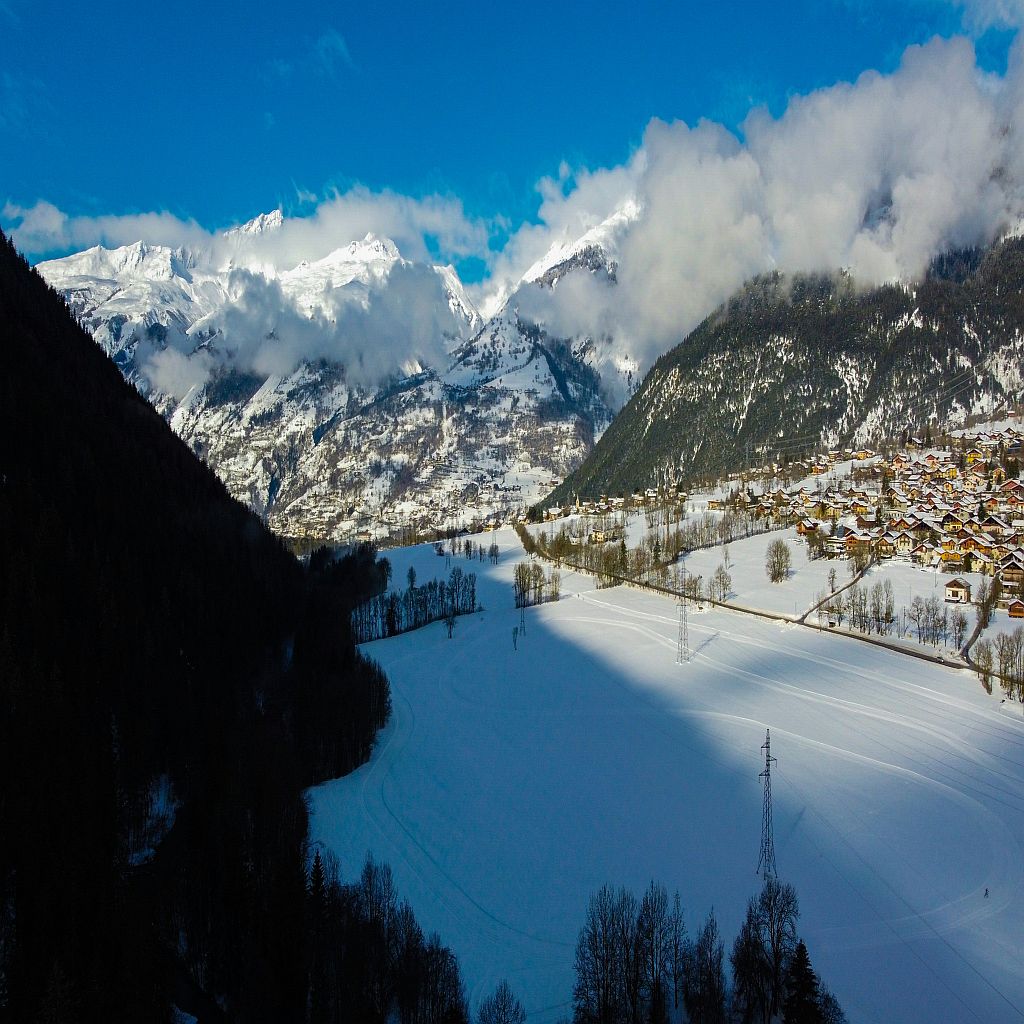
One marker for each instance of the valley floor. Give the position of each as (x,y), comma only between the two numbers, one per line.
(511,784)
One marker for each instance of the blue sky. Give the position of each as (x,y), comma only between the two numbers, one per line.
(215,112)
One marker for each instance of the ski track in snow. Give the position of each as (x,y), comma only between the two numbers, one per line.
(509,785)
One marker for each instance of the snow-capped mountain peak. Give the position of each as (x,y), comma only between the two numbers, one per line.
(371,247)
(605,236)
(260,225)
(138,260)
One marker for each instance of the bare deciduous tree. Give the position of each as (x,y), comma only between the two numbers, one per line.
(501,1007)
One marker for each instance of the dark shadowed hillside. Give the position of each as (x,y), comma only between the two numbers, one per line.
(170,681)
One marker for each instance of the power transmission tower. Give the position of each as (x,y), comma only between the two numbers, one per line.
(767,858)
(683,641)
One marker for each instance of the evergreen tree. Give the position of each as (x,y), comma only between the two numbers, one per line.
(802,999)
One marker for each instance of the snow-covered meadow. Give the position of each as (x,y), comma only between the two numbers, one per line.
(806,584)
(511,784)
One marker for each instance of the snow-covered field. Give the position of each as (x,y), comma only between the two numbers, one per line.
(807,580)
(510,785)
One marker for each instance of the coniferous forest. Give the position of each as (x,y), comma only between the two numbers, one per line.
(170,681)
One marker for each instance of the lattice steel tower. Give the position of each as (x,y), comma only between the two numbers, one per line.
(683,641)
(766,863)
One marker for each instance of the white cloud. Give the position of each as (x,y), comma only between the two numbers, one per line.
(397,329)
(175,372)
(400,328)
(43,227)
(330,50)
(980,15)
(337,220)
(877,176)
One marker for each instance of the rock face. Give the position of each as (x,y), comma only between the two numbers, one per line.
(789,364)
(359,393)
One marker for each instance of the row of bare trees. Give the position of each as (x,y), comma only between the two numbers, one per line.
(1002,657)
(468,548)
(873,610)
(530,584)
(636,964)
(391,613)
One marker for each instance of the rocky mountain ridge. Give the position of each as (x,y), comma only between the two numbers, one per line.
(249,364)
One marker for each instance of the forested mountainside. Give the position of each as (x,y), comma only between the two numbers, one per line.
(791,363)
(170,681)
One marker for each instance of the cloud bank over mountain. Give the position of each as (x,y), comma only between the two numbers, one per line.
(875,176)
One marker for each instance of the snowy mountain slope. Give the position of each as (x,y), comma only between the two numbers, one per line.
(592,255)
(134,294)
(319,456)
(305,390)
(604,238)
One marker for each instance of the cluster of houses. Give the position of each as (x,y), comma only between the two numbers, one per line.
(609,504)
(951,508)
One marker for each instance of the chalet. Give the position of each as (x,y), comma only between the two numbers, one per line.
(982,563)
(863,453)
(1015,609)
(834,546)
(885,546)
(973,455)
(806,526)
(958,591)
(856,540)
(1011,570)
(904,543)
(924,554)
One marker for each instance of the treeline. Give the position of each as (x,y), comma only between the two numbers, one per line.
(468,548)
(636,964)
(530,584)
(392,613)
(651,561)
(368,959)
(873,610)
(1004,659)
(171,680)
